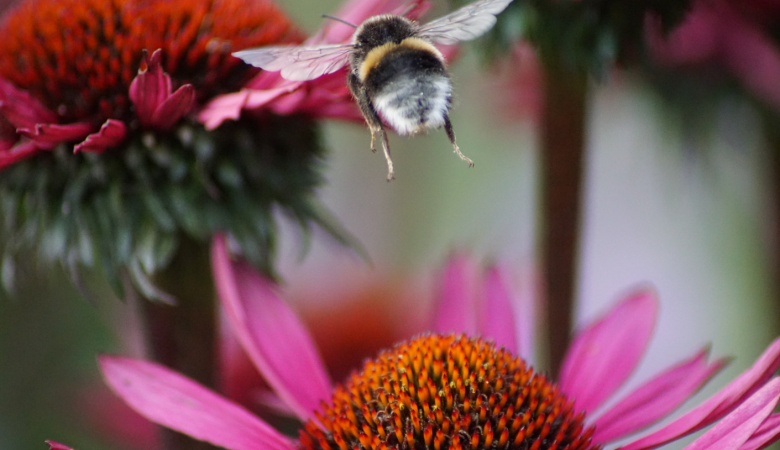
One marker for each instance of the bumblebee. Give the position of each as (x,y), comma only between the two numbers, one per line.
(396,74)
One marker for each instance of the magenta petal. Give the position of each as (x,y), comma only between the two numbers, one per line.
(112,133)
(271,334)
(150,88)
(765,435)
(498,318)
(174,107)
(718,405)
(22,109)
(456,309)
(655,399)
(57,446)
(172,400)
(733,431)
(604,355)
(48,135)
(18,153)
(222,108)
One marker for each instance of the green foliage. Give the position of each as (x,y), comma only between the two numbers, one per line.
(584,35)
(127,210)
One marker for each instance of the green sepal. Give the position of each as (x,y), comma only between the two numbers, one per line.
(127,210)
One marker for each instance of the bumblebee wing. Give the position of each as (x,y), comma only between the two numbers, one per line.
(298,63)
(464,24)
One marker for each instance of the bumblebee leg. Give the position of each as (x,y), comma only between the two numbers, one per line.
(372,119)
(386,149)
(451,135)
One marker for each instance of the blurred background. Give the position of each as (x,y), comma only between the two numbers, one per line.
(686,209)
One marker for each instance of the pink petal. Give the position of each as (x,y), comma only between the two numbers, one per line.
(173,108)
(456,310)
(356,11)
(57,446)
(22,109)
(765,435)
(719,404)
(733,431)
(656,399)
(179,403)
(17,153)
(112,133)
(498,318)
(150,88)
(605,354)
(271,334)
(48,135)
(222,108)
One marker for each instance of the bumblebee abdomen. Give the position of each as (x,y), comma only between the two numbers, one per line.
(409,88)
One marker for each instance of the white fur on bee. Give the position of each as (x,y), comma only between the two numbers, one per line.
(410,104)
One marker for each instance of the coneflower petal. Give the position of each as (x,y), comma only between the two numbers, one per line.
(177,402)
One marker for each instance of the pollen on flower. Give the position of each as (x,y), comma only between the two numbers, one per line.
(78,57)
(447,393)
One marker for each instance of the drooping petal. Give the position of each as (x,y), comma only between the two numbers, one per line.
(222,108)
(718,405)
(765,435)
(48,135)
(151,95)
(271,333)
(655,399)
(150,87)
(173,108)
(18,152)
(22,109)
(498,317)
(112,133)
(736,428)
(456,309)
(604,354)
(179,403)
(57,446)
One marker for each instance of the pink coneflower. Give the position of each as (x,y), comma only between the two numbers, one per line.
(453,391)
(725,36)
(104,161)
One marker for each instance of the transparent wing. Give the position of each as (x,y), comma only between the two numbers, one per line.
(298,63)
(464,24)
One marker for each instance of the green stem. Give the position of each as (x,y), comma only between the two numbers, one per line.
(562,148)
(183,337)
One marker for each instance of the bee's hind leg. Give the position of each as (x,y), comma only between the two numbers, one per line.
(451,135)
(385,149)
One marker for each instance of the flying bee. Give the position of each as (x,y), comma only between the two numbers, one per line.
(396,74)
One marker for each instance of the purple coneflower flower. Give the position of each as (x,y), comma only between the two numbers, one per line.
(452,391)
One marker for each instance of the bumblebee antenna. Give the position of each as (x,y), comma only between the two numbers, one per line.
(328,16)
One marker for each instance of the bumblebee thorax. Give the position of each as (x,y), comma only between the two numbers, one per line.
(379,30)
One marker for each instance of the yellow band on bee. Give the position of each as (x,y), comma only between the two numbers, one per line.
(376,54)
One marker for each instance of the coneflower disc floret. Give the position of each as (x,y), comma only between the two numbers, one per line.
(447,393)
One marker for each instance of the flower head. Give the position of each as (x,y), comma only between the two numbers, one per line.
(447,391)
(103,160)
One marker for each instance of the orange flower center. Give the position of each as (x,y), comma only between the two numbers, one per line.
(78,57)
(447,393)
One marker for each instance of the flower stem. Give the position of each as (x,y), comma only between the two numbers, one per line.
(182,337)
(562,148)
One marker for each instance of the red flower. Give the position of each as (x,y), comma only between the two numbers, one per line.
(78,72)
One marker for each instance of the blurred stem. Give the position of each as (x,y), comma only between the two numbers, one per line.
(183,337)
(562,147)
(773,137)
